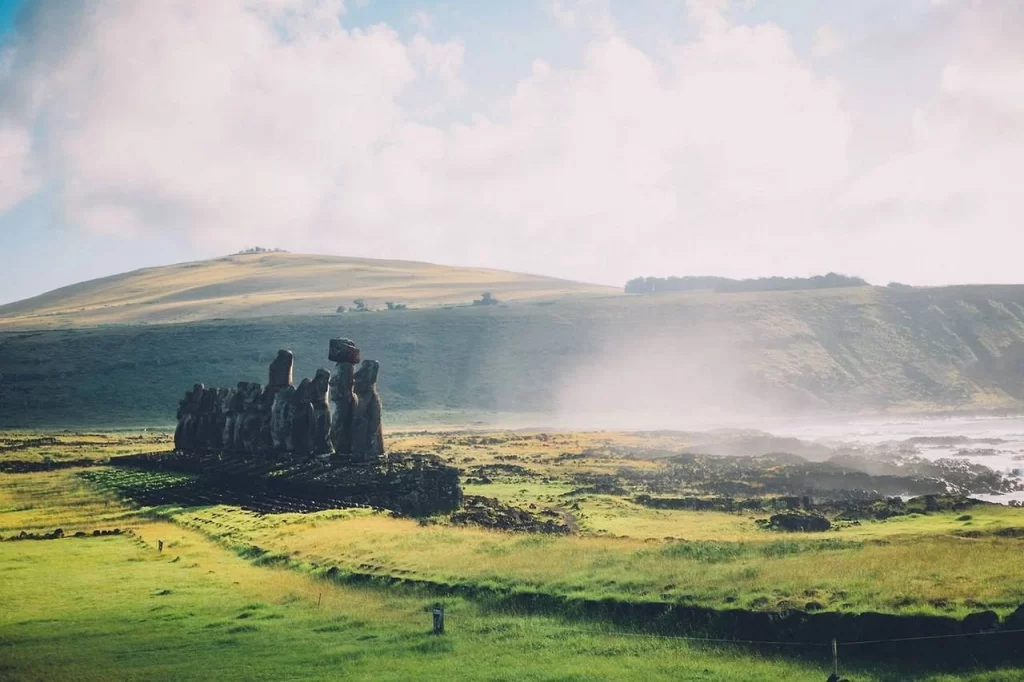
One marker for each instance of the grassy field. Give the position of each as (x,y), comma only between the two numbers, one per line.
(125,611)
(210,607)
(916,571)
(943,563)
(262,284)
(605,361)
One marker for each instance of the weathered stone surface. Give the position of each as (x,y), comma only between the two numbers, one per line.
(252,419)
(319,393)
(188,413)
(343,350)
(302,425)
(367,431)
(280,374)
(344,399)
(282,416)
(233,411)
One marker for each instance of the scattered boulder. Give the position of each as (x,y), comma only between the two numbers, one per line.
(491,513)
(794,521)
(983,621)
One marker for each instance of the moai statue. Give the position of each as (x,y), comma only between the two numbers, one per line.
(282,414)
(344,353)
(303,421)
(280,380)
(367,432)
(188,411)
(320,387)
(233,411)
(280,374)
(206,421)
(220,416)
(252,420)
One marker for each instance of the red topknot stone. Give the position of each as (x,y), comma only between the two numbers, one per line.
(343,350)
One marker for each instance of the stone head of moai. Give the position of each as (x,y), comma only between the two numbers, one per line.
(366,377)
(280,374)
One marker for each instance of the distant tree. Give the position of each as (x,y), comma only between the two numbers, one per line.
(341,309)
(486,298)
(257,249)
(390,305)
(646,285)
(898,285)
(360,305)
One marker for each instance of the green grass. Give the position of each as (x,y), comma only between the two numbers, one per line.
(127,612)
(909,574)
(845,350)
(212,607)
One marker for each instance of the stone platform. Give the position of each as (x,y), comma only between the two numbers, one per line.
(407,483)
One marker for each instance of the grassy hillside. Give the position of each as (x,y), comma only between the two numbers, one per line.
(264,284)
(592,360)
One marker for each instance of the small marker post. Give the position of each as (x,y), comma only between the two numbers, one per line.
(321,596)
(835,658)
(438,620)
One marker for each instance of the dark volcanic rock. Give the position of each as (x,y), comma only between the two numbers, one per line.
(343,350)
(490,513)
(411,484)
(799,522)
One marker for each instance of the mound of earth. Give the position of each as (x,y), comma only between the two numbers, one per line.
(490,513)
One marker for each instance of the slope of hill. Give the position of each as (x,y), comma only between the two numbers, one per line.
(262,284)
(613,361)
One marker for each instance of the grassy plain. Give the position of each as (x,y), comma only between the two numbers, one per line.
(208,607)
(262,284)
(572,361)
(123,610)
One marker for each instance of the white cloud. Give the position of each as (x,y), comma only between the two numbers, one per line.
(826,42)
(563,14)
(17,178)
(275,123)
(441,60)
(422,20)
(954,196)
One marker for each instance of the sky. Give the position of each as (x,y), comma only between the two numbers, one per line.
(596,140)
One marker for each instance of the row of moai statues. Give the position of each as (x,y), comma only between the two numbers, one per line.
(282,418)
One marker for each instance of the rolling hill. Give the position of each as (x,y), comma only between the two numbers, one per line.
(556,353)
(275,283)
